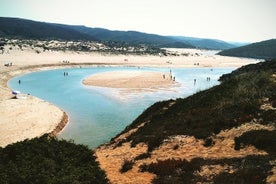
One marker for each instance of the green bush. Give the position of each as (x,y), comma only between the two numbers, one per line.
(142,156)
(48,160)
(244,176)
(261,139)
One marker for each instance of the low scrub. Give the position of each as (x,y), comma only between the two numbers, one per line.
(48,160)
(126,166)
(261,139)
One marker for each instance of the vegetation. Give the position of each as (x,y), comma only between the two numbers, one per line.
(47,160)
(236,101)
(107,47)
(126,166)
(173,171)
(251,169)
(252,175)
(205,43)
(261,139)
(261,50)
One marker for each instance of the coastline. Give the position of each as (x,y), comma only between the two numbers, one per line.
(24,63)
(21,118)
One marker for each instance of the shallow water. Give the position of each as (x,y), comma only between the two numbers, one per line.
(98,114)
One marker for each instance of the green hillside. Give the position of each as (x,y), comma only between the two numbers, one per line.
(46,160)
(235,101)
(204,43)
(28,29)
(260,50)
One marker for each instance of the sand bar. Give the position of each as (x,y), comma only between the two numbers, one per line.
(131,79)
(32,117)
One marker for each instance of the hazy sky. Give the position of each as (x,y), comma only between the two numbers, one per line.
(230,20)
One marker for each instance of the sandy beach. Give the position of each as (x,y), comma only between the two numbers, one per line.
(22,118)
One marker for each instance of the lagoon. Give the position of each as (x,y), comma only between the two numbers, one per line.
(96,114)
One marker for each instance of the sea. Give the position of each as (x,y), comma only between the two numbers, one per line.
(97,114)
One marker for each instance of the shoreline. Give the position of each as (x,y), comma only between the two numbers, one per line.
(60,126)
(28,107)
(58,123)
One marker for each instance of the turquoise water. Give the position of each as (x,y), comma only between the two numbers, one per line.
(98,114)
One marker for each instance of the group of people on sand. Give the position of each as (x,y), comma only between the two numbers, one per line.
(172,78)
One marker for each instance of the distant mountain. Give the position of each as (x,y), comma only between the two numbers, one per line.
(22,28)
(260,50)
(133,37)
(204,43)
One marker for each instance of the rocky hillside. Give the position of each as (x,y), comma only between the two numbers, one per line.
(226,134)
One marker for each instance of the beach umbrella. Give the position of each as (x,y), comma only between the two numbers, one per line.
(15,92)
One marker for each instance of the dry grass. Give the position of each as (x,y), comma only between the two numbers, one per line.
(111,157)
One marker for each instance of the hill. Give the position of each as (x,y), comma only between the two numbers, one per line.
(28,29)
(135,37)
(260,50)
(204,43)
(225,134)
(132,37)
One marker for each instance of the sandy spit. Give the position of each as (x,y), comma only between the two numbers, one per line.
(131,80)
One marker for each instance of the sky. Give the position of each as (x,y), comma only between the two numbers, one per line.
(228,20)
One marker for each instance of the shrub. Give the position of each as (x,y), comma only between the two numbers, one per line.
(175,147)
(126,166)
(143,156)
(48,160)
(253,175)
(208,142)
(237,143)
(261,139)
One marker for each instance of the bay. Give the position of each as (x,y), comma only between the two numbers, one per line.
(97,114)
